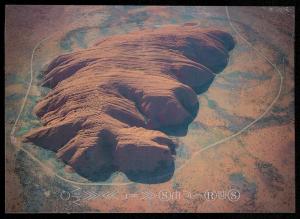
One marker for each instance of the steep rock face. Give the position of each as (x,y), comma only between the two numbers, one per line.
(111,103)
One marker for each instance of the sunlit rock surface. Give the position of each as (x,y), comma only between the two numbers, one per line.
(113,104)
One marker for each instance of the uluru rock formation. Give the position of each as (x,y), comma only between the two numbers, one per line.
(110,104)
